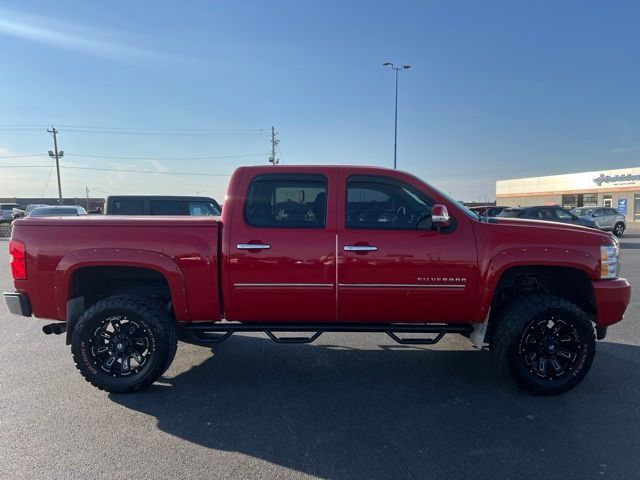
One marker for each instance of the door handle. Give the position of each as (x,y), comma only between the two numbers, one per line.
(253,246)
(360,248)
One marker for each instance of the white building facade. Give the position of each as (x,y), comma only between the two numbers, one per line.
(619,189)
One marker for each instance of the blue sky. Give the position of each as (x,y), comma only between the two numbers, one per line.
(496,89)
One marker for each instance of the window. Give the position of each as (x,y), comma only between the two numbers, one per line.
(200,209)
(607,201)
(128,207)
(385,203)
(598,212)
(562,215)
(571,201)
(167,207)
(542,214)
(590,199)
(611,211)
(287,201)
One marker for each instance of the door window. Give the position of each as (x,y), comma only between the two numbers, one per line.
(543,214)
(200,209)
(386,204)
(562,215)
(287,201)
(167,207)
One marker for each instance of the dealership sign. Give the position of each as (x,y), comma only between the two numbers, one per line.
(624,178)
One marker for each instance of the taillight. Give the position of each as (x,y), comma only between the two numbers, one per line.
(17,260)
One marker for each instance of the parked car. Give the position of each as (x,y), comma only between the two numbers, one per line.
(6,212)
(313,249)
(161,205)
(488,211)
(608,219)
(57,211)
(549,213)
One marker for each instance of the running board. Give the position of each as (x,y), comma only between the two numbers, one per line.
(209,333)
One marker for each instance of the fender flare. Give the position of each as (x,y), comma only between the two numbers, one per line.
(508,258)
(120,257)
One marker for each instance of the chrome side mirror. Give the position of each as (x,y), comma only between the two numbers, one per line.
(440,216)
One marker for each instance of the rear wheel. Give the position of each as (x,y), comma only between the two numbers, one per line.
(545,343)
(123,343)
(618,230)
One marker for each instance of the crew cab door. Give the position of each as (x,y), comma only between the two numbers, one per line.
(281,248)
(393,266)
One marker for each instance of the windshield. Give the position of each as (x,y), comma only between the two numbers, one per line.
(465,210)
(54,212)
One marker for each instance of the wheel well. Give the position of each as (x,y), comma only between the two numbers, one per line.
(565,282)
(97,283)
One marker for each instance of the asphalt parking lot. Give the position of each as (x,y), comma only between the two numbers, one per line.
(347,406)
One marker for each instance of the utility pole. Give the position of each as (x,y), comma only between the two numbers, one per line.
(55,154)
(274,143)
(86,189)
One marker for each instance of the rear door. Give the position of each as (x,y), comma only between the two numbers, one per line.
(282,240)
(393,266)
(611,217)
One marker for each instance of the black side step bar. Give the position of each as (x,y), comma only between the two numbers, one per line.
(216,332)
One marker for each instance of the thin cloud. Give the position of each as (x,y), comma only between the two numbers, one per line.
(621,150)
(55,34)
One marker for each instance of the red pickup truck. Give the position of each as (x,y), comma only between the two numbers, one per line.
(302,250)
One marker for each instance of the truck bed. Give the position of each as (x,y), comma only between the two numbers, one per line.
(183,249)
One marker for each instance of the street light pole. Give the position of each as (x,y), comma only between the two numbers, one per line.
(395,127)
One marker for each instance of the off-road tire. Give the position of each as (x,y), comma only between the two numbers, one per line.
(159,332)
(618,229)
(526,313)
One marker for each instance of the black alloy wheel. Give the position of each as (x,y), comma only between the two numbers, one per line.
(124,343)
(546,344)
(550,347)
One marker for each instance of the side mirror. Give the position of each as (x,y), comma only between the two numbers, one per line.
(440,216)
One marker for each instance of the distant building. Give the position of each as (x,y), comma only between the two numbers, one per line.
(619,189)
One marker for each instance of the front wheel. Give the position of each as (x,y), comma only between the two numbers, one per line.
(123,343)
(618,230)
(545,343)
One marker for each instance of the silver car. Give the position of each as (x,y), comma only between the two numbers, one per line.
(606,218)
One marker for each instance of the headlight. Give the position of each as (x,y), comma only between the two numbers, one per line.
(609,262)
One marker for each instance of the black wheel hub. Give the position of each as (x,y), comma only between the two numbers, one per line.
(120,346)
(550,347)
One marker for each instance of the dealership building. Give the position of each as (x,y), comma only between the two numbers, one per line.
(608,188)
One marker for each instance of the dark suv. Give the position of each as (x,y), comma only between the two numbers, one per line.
(161,205)
(551,213)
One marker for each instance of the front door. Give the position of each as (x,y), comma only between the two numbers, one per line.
(393,266)
(281,259)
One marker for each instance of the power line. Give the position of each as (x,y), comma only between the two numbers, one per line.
(47,182)
(123,170)
(162,158)
(88,127)
(156,133)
